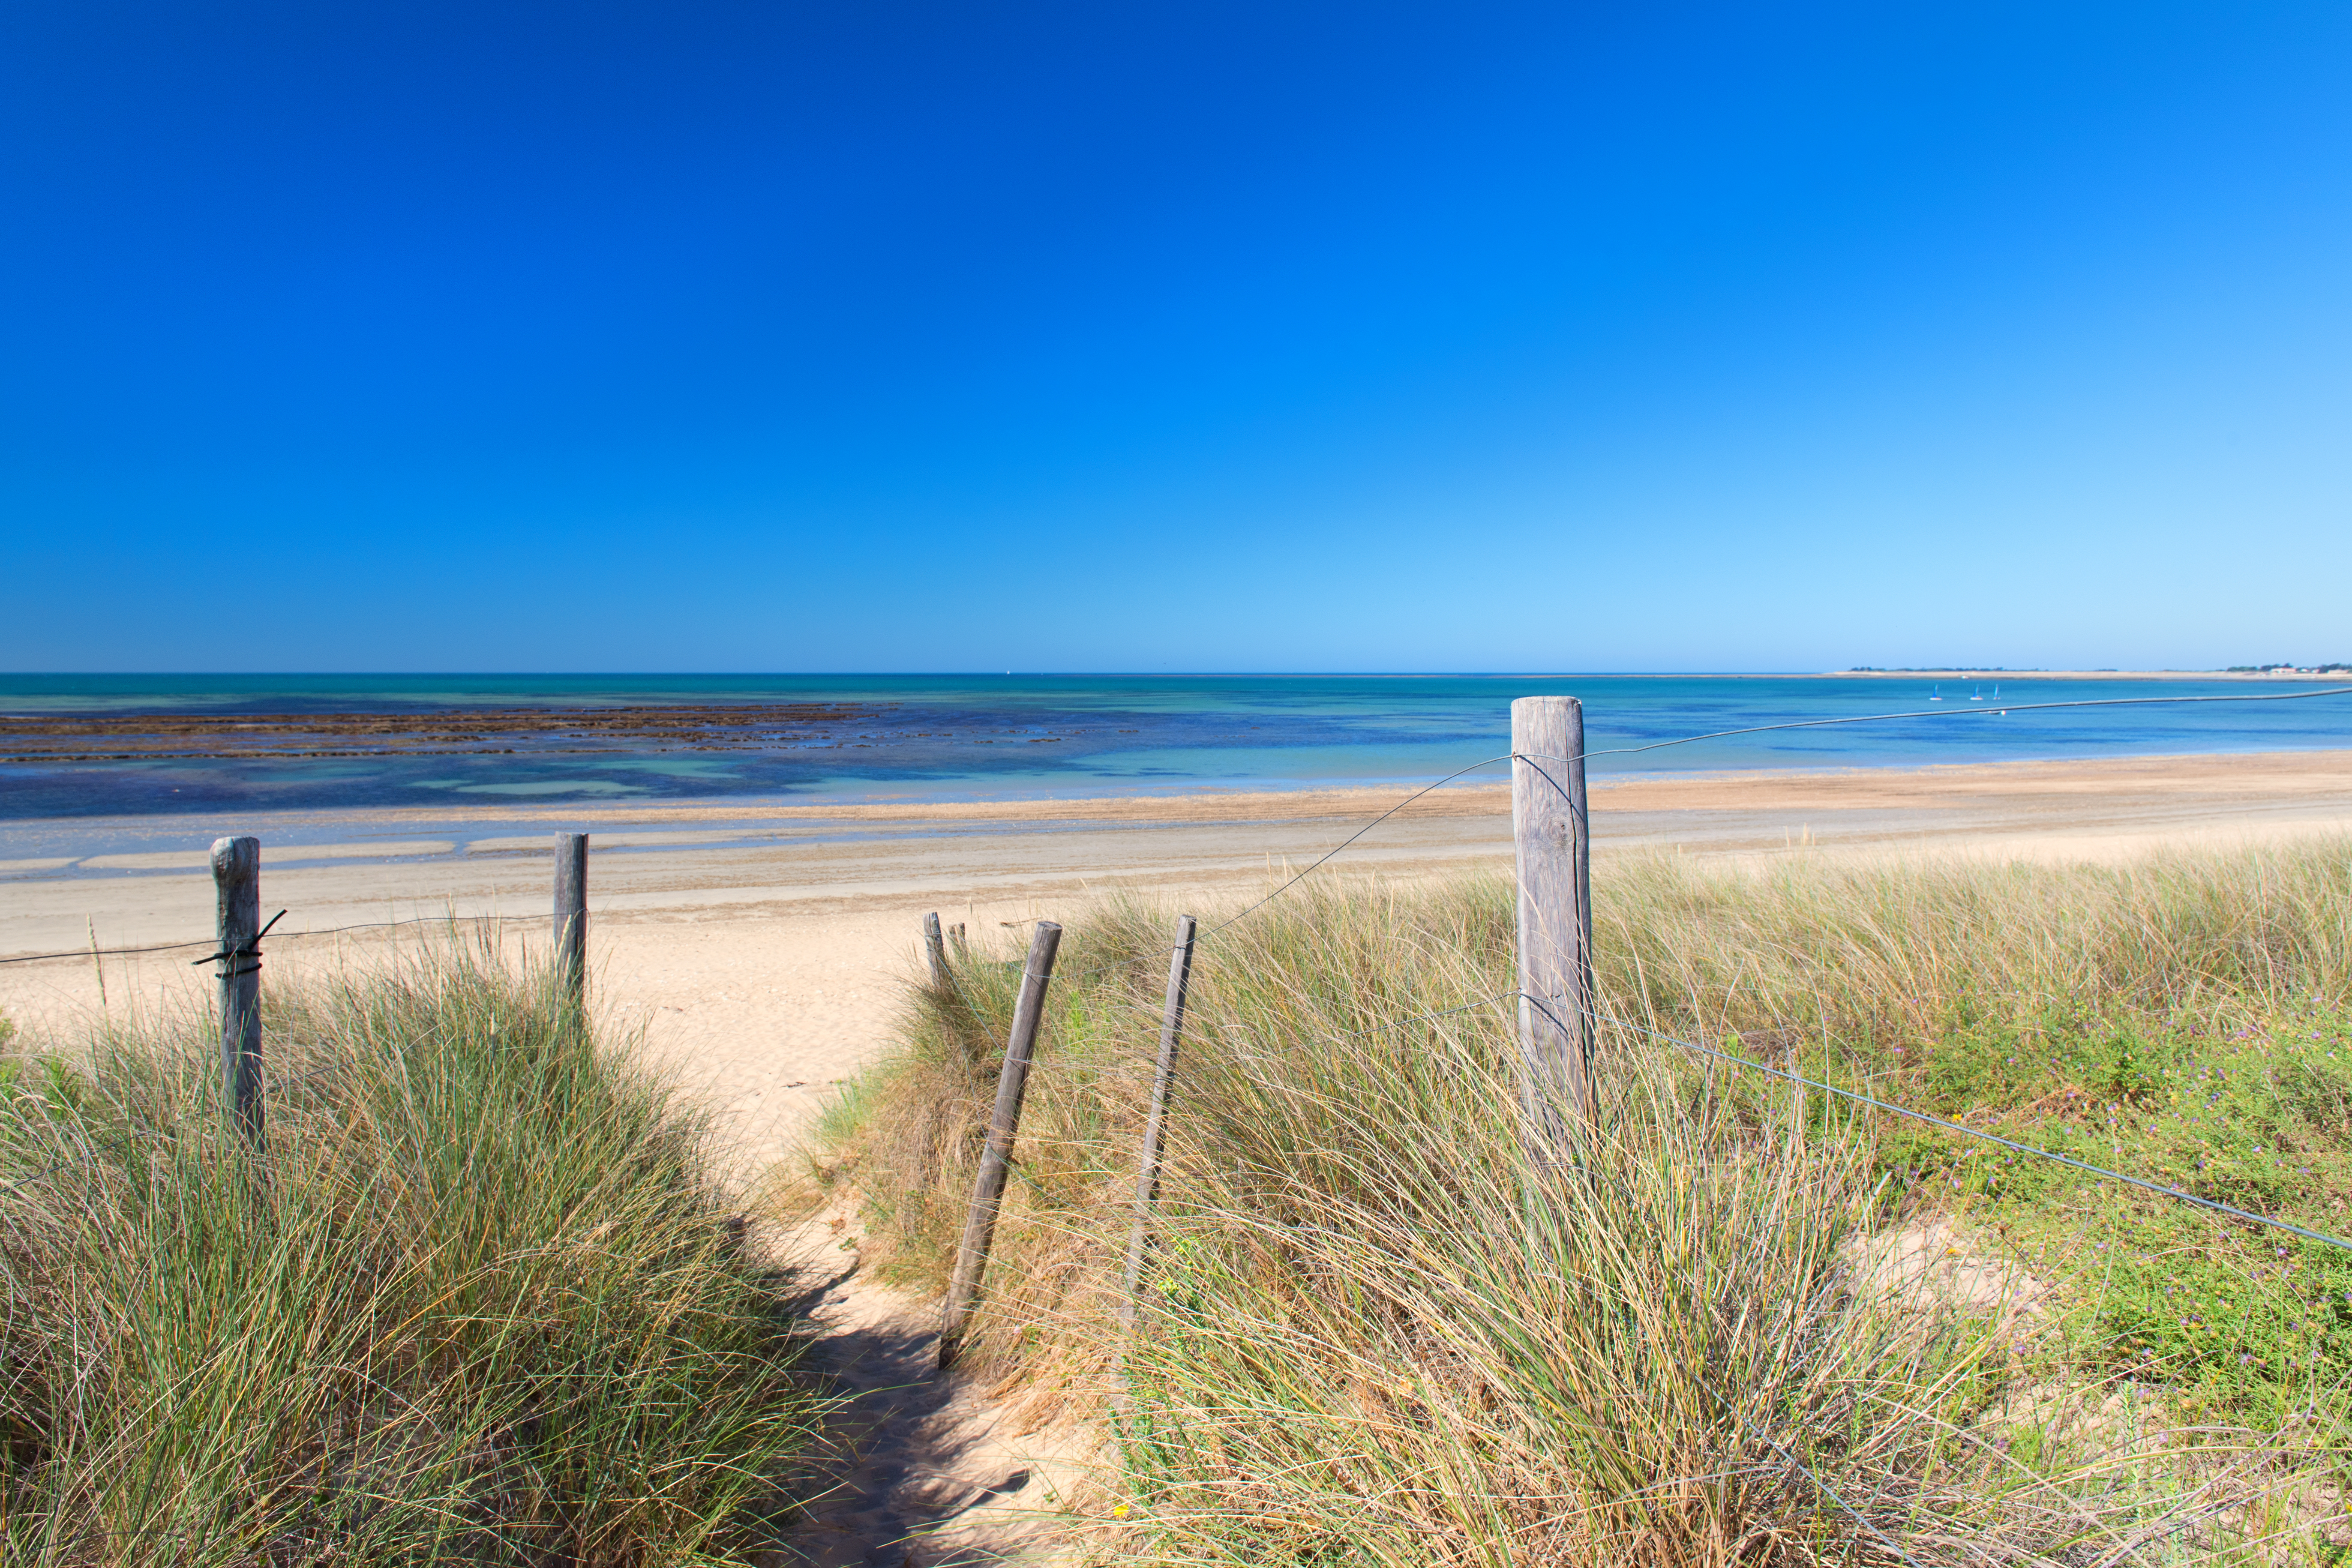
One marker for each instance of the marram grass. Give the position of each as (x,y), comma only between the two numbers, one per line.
(470,1306)
(1375,1333)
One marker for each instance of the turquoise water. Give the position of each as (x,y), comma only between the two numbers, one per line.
(960,737)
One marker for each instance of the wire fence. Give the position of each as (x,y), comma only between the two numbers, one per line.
(1558,1007)
(1891,1107)
(1557,1004)
(1989,712)
(86,953)
(1554,1005)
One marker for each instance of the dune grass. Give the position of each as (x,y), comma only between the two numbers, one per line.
(1376,1333)
(473,1304)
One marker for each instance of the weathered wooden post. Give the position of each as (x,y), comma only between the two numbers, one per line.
(988,1185)
(935,946)
(571,916)
(237,885)
(1147,1177)
(1554,864)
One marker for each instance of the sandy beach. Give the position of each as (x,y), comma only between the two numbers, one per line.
(2269,677)
(763,960)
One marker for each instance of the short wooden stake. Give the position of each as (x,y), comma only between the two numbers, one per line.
(988,1185)
(237,885)
(935,945)
(1549,822)
(90,924)
(1147,1175)
(571,916)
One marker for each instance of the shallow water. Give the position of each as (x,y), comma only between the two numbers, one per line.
(962,737)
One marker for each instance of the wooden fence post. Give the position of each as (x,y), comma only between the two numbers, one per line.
(988,1185)
(935,946)
(571,916)
(1550,822)
(1147,1177)
(237,885)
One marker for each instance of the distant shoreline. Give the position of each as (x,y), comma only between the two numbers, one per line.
(2333,679)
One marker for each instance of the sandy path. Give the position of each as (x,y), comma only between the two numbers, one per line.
(929,1472)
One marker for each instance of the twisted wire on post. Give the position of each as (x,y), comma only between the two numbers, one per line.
(208,942)
(249,948)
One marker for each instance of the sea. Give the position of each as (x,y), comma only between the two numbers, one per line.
(132,745)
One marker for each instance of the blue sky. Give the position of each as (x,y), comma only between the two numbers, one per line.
(757,336)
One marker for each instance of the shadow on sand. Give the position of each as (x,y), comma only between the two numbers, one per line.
(914,1452)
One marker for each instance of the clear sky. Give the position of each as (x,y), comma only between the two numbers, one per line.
(746,335)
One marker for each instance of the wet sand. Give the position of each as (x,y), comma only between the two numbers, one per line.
(764,959)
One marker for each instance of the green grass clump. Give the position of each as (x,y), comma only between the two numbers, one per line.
(471,1304)
(1376,1332)
(2239,1323)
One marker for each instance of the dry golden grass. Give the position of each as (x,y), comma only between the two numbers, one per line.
(1376,1333)
(471,1306)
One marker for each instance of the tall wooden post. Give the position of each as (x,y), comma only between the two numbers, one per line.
(237,885)
(571,916)
(1550,822)
(988,1185)
(1146,1177)
(935,947)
